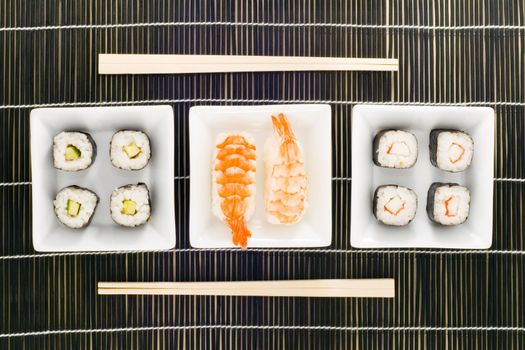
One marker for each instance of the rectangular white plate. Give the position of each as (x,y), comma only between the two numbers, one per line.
(312,126)
(102,177)
(366,231)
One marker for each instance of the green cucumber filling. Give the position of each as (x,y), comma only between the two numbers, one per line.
(72,153)
(72,208)
(132,150)
(129,207)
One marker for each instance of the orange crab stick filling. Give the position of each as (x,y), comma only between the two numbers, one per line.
(394,206)
(398,149)
(451,206)
(456,152)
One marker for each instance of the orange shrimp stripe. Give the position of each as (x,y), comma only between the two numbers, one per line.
(236,140)
(241,163)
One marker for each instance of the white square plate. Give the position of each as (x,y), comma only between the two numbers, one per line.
(312,126)
(102,177)
(366,231)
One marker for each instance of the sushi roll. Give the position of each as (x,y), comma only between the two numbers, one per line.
(130,205)
(394,205)
(448,203)
(451,150)
(130,150)
(73,151)
(395,149)
(233,183)
(75,206)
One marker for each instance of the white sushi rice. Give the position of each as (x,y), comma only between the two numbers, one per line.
(459,204)
(120,158)
(216,200)
(78,139)
(397,149)
(394,197)
(448,150)
(140,195)
(88,202)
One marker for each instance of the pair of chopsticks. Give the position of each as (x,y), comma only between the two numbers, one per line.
(180,64)
(357,288)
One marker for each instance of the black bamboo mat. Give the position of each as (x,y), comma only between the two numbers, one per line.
(468,52)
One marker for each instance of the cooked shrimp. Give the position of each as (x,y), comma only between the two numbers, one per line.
(234,184)
(286,183)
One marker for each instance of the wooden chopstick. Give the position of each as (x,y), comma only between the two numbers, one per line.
(366,288)
(179,64)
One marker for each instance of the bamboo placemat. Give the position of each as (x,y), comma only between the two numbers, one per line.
(451,53)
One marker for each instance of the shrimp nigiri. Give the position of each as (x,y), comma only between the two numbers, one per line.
(285,178)
(234,183)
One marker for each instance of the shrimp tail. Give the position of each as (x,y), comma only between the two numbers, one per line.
(234,209)
(289,149)
(240,232)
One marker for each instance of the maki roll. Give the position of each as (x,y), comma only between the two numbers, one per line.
(448,203)
(394,205)
(73,151)
(130,205)
(451,150)
(74,206)
(130,150)
(395,149)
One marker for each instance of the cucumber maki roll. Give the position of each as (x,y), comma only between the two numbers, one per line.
(130,205)
(130,150)
(73,151)
(75,206)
